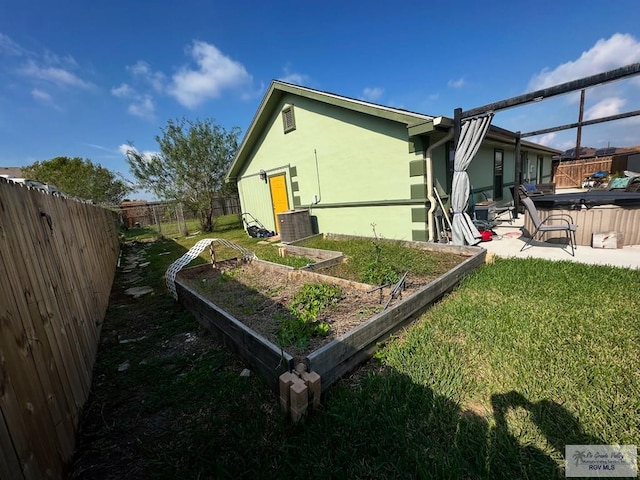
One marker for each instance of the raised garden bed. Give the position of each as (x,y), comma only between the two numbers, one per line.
(239,303)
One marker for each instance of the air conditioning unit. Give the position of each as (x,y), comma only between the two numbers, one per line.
(294,225)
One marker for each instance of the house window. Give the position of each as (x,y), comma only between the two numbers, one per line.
(288,119)
(450,152)
(498,185)
(524,167)
(539,168)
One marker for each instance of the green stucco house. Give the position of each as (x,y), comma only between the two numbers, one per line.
(353,163)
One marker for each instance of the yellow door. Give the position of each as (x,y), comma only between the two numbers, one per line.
(279,197)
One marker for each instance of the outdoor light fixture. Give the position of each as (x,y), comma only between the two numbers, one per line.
(263,176)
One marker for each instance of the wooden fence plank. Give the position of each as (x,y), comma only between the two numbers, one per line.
(32,270)
(38,400)
(67,299)
(9,465)
(56,278)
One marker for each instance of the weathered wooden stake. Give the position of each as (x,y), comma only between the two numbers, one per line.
(286,380)
(299,396)
(312,380)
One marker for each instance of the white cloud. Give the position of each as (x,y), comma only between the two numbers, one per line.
(51,58)
(214,73)
(9,47)
(620,49)
(41,95)
(372,93)
(140,68)
(55,75)
(607,54)
(293,77)
(99,147)
(459,83)
(43,70)
(605,108)
(123,91)
(143,70)
(546,139)
(44,98)
(125,148)
(142,107)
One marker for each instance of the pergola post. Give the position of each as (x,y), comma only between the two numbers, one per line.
(517,176)
(457,125)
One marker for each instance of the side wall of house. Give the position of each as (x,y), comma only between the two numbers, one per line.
(482,174)
(350,169)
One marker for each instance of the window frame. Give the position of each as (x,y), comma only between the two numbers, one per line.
(498,174)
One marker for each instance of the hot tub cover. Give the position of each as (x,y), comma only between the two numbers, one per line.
(592,198)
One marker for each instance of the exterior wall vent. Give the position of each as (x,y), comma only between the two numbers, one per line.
(288,119)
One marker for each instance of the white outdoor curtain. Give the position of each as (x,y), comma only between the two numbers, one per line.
(472,133)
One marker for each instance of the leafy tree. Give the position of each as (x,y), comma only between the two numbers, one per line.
(80,178)
(190,167)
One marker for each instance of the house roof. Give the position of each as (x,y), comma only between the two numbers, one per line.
(278,89)
(417,123)
(495,133)
(11,172)
(589,152)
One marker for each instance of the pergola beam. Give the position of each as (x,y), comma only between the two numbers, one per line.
(585,123)
(563,88)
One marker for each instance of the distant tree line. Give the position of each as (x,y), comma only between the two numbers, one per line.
(189,168)
(80,178)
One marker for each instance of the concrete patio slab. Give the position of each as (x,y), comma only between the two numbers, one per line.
(508,242)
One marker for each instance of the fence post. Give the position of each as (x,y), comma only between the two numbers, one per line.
(157,219)
(182,225)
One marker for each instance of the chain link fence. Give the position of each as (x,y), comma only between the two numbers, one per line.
(171,218)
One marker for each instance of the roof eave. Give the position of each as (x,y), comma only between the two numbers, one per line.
(270,96)
(428,126)
(277,89)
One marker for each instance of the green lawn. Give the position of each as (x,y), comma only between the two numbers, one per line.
(172,230)
(492,382)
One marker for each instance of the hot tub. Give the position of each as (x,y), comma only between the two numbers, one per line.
(593,211)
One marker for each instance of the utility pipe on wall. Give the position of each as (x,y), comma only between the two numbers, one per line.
(428,171)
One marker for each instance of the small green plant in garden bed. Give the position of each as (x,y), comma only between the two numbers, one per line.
(218,282)
(301,322)
(270,253)
(380,261)
(377,271)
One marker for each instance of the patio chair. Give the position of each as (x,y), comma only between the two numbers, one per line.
(543,226)
(508,208)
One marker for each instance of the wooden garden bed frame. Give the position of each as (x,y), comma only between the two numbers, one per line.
(345,352)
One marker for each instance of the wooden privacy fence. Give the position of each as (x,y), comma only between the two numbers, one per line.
(571,174)
(57,262)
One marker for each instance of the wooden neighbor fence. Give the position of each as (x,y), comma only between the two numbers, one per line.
(57,262)
(572,173)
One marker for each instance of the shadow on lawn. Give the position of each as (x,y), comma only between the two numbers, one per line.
(186,413)
(411,432)
(555,422)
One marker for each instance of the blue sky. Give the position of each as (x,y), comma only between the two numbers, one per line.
(84,78)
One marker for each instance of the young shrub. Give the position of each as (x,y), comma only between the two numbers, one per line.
(301,322)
